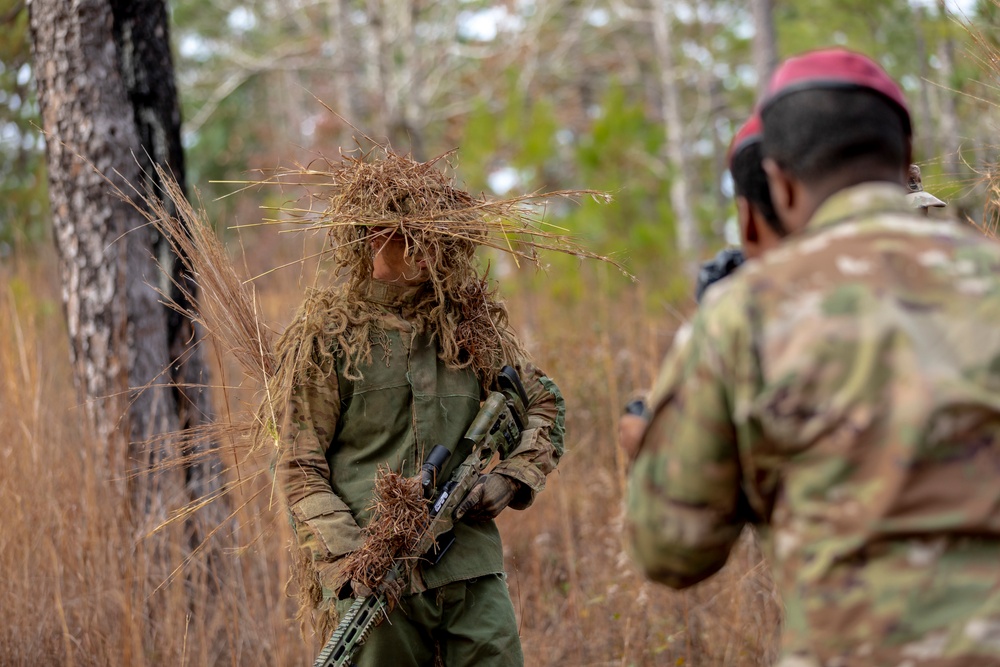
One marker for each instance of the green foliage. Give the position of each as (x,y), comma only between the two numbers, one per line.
(223,149)
(906,39)
(479,146)
(23,186)
(582,112)
(616,154)
(885,30)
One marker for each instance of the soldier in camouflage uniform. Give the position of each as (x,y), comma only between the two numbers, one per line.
(350,412)
(841,392)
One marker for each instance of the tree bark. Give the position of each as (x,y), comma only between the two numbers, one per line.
(688,236)
(765,49)
(951,145)
(926,120)
(107,97)
(82,97)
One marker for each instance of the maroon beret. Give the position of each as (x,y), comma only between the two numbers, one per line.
(750,132)
(833,68)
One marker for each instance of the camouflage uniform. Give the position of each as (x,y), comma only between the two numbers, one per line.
(844,393)
(337,432)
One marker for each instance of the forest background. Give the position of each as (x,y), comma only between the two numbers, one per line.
(636,98)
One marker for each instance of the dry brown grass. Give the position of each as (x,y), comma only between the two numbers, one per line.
(77,587)
(77,591)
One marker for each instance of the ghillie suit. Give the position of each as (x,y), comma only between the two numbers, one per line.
(361,201)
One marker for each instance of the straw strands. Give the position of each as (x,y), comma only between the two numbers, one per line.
(382,192)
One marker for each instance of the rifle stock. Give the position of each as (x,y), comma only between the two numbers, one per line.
(496,430)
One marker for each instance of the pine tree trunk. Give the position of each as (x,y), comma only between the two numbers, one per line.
(82,98)
(107,97)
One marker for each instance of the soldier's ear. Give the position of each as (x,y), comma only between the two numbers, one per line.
(782,188)
(749,234)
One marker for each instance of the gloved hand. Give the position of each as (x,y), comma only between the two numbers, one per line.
(353,589)
(632,426)
(332,577)
(335,582)
(490,494)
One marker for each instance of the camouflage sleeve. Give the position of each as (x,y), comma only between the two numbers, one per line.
(323,522)
(684,487)
(541,443)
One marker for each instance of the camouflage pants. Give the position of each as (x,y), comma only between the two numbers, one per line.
(468,622)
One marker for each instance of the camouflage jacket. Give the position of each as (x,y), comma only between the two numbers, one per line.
(337,432)
(843,392)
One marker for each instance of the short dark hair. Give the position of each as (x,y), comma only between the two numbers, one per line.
(750,181)
(814,132)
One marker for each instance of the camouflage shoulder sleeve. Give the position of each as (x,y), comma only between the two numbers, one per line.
(323,522)
(541,443)
(684,487)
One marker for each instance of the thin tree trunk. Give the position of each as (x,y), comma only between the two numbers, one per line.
(765,49)
(345,81)
(949,115)
(688,237)
(399,73)
(926,120)
(717,109)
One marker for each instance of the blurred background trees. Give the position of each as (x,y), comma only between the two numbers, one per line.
(639,97)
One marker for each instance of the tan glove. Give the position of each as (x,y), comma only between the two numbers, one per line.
(332,577)
(488,497)
(335,582)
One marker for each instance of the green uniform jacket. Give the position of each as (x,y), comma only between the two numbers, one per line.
(337,432)
(844,393)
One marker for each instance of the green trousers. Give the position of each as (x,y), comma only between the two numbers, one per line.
(470,622)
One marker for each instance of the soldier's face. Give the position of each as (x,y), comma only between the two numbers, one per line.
(395,262)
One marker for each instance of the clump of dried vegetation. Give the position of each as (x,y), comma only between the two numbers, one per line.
(399,518)
(383,192)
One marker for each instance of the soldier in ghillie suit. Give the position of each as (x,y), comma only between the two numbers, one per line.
(842,393)
(379,369)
